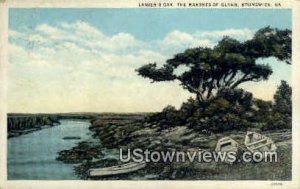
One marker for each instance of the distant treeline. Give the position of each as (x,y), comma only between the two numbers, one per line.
(25,122)
(21,121)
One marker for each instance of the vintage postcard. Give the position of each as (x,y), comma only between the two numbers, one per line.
(175,94)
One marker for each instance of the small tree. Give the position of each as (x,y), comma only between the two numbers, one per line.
(283,99)
(227,65)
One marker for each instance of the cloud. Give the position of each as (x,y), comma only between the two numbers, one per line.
(240,34)
(80,33)
(83,29)
(49,30)
(74,66)
(178,41)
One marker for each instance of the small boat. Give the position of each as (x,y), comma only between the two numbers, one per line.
(225,145)
(116,170)
(257,142)
(72,138)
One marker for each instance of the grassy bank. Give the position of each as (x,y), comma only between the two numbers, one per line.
(129,132)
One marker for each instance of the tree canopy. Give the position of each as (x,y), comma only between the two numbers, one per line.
(227,65)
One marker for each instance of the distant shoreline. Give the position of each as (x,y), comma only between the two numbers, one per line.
(23,123)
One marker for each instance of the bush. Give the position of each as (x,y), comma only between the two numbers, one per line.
(230,109)
(219,123)
(187,109)
(237,97)
(165,119)
(278,121)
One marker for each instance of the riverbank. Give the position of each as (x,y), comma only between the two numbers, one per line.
(114,133)
(19,124)
(33,156)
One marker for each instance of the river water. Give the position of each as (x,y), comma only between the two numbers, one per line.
(32,156)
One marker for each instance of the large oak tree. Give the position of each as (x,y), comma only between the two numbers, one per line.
(227,65)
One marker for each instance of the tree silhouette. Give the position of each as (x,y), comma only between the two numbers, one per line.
(283,99)
(227,65)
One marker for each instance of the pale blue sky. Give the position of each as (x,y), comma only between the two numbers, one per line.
(61,56)
(150,24)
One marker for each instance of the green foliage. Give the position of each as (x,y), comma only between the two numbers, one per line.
(278,121)
(283,99)
(169,117)
(219,123)
(237,97)
(227,65)
(24,122)
(271,42)
(214,75)
(187,109)
(162,74)
(218,105)
(231,109)
(281,116)
(263,106)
